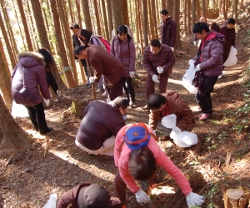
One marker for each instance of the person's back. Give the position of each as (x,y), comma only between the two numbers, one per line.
(100,121)
(104,63)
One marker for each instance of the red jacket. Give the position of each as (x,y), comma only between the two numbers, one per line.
(175,105)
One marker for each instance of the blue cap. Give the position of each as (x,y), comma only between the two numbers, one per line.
(137,136)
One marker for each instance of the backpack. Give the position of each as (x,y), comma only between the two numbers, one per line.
(106,44)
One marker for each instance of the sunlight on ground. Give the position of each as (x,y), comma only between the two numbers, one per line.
(93,169)
(162,190)
(174,81)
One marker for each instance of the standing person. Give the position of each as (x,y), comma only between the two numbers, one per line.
(137,155)
(228,31)
(123,48)
(104,64)
(165,104)
(49,65)
(196,41)
(76,42)
(100,124)
(30,73)
(208,66)
(88,195)
(89,39)
(169,30)
(158,60)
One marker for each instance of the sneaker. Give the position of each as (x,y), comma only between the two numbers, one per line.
(104,94)
(48,131)
(145,107)
(204,116)
(198,116)
(131,103)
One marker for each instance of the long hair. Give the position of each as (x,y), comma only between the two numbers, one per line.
(142,164)
(48,58)
(87,34)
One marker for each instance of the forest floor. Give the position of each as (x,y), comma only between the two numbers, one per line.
(55,164)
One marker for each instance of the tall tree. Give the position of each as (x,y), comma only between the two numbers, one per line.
(193,12)
(145,22)
(87,19)
(170,7)
(163,4)
(110,20)
(188,17)
(79,18)
(177,20)
(5,84)
(235,10)
(98,24)
(11,134)
(125,12)
(105,20)
(204,8)
(118,18)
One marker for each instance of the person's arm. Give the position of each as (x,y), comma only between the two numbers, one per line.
(132,55)
(146,61)
(96,65)
(154,118)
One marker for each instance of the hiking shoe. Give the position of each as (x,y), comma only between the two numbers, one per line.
(198,116)
(145,107)
(48,131)
(131,103)
(204,116)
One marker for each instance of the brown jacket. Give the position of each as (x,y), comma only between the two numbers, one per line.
(69,199)
(168,32)
(177,106)
(100,122)
(164,58)
(103,63)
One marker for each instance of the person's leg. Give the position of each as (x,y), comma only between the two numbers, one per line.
(32,116)
(126,88)
(130,88)
(163,84)
(40,119)
(203,97)
(150,86)
(163,130)
(116,90)
(82,147)
(120,188)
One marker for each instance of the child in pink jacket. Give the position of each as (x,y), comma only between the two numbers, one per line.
(137,155)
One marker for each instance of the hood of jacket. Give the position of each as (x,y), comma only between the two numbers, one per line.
(29,59)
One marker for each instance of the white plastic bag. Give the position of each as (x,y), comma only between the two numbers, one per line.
(188,77)
(186,139)
(19,110)
(169,121)
(232,58)
(51,203)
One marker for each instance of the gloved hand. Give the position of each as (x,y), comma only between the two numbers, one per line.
(174,133)
(159,69)
(191,62)
(47,102)
(195,42)
(141,197)
(132,74)
(194,199)
(198,68)
(155,78)
(91,80)
(172,48)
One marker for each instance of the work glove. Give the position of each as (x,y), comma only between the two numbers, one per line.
(198,68)
(91,80)
(174,133)
(172,48)
(155,78)
(141,197)
(195,42)
(132,74)
(194,199)
(47,102)
(159,69)
(191,62)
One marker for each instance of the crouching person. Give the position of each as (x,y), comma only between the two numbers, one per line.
(88,195)
(165,104)
(137,155)
(100,124)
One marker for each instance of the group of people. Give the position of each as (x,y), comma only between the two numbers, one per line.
(103,131)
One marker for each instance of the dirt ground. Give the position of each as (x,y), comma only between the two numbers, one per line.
(55,164)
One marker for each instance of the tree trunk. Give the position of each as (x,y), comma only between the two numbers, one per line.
(223,6)
(5,84)
(145,22)
(125,12)
(71,15)
(185,15)
(106,29)
(154,22)
(204,9)
(110,20)
(177,20)
(198,6)
(25,26)
(79,18)
(118,18)
(170,7)
(11,134)
(235,10)
(85,11)
(163,4)
(98,23)
(189,18)
(7,43)
(193,12)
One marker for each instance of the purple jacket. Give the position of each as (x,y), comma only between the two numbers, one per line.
(168,32)
(211,58)
(164,58)
(125,52)
(101,120)
(35,75)
(103,63)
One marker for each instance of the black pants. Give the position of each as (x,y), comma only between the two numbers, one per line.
(52,82)
(203,97)
(37,117)
(128,88)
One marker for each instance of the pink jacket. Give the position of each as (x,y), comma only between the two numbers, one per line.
(121,157)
